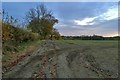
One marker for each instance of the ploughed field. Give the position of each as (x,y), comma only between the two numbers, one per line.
(69,59)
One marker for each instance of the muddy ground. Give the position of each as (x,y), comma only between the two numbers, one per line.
(59,59)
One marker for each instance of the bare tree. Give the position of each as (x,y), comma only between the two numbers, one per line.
(40,12)
(31,15)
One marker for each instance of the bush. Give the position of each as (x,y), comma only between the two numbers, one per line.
(13,36)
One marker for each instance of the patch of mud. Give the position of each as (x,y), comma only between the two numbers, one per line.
(78,59)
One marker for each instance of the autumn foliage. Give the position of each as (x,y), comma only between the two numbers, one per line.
(14,36)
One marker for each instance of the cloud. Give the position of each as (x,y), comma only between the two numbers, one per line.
(108,28)
(104,21)
(111,13)
(86,21)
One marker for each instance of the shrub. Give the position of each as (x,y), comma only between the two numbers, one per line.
(13,36)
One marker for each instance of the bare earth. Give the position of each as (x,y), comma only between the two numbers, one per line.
(55,59)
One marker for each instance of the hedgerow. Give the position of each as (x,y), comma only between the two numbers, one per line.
(14,36)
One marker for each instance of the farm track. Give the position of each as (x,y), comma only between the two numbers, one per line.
(57,60)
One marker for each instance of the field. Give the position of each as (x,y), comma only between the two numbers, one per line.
(69,59)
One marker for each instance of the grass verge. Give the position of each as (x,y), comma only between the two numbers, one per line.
(12,58)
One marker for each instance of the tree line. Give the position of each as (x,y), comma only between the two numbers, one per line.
(94,37)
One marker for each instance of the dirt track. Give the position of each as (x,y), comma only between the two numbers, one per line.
(59,60)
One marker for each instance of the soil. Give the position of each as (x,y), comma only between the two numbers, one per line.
(60,60)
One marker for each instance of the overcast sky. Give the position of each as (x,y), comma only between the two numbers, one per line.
(80,18)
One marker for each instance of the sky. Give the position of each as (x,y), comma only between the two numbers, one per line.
(75,18)
(60,0)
